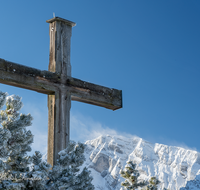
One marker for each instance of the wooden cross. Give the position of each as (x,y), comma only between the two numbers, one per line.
(60,87)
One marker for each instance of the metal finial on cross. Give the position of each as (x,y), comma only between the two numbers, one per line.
(60,87)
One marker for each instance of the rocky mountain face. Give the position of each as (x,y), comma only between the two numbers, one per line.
(176,168)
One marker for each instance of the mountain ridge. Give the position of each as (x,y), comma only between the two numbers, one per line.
(177,168)
(173,166)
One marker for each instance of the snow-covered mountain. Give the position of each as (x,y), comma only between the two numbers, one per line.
(175,167)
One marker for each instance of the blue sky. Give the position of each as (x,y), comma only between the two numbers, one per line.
(147,49)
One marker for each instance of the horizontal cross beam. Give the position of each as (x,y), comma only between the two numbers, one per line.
(47,82)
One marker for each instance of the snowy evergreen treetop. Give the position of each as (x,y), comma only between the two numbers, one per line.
(19,171)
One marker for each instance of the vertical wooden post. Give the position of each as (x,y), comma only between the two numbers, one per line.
(59,105)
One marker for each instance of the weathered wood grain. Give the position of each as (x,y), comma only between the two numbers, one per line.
(48,82)
(59,62)
(94,94)
(27,77)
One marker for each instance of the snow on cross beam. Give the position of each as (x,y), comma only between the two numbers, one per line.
(60,87)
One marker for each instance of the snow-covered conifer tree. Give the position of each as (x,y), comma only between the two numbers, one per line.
(15,142)
(153,184)
(131,175)
(39,172)
(66,174)
(19,171)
